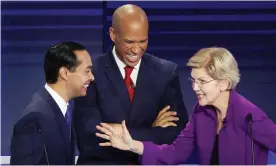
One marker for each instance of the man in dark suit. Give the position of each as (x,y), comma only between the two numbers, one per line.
(131,85)
(44,134)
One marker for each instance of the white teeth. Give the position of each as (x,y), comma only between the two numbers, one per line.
(133,57)
(86,85)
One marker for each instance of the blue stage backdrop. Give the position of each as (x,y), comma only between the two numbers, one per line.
(177,31)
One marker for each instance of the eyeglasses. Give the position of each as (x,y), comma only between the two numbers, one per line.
(200,83)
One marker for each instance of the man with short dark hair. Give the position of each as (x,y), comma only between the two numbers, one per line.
(44,134)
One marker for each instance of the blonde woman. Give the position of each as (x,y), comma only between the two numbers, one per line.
(220,125)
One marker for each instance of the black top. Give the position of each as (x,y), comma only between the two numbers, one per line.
(215,153)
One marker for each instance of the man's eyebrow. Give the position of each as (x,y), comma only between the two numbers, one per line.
(130,40)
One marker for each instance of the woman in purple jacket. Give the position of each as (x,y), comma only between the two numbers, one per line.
(225,127)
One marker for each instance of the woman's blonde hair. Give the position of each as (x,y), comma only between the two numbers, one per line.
(219,64)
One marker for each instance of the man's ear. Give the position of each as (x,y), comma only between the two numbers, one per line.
(63,73)
(112,34)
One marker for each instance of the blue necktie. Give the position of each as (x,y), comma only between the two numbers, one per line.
(68,117)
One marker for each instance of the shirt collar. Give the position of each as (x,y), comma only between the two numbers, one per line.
(58,99)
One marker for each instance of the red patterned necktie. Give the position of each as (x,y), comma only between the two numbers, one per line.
(129,82)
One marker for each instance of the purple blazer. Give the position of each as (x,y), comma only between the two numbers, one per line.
(234,137)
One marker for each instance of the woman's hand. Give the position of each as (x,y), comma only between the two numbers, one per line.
(120,140)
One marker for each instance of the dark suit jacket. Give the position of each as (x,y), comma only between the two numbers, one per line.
(108,101)
(42,131)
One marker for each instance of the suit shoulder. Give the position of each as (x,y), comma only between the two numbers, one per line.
(244,106)
(257,112)
(36,105)
(35,110)
(100,60)
(27,120)
(161,64)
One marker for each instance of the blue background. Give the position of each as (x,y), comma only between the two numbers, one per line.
(177,31)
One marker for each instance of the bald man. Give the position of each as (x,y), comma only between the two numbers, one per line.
(130,85)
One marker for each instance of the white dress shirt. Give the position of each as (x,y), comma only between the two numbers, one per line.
(122,65)
(58,99)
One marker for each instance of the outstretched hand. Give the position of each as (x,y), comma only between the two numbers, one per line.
(120,140)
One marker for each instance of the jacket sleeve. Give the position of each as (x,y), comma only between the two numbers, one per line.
(27,146)
(175,153)
(264,131)
(172,96)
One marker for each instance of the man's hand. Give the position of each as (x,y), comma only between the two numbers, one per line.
(165,118)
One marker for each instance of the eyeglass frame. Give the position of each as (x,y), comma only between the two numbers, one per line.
(200,85)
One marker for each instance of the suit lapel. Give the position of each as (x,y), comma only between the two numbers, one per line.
(73,145)
(114,76)
(142,85)
(62,125)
